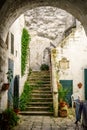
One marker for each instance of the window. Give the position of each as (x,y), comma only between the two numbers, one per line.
(12,43)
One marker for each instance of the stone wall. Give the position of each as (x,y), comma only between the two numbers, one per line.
(74,48)
(16,31)
(46,26)
(11,10)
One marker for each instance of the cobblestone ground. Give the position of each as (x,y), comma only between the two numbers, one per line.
(47,123)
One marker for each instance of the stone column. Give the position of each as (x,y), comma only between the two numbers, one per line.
(54,86)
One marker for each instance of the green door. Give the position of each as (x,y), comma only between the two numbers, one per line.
(85,83)
(68,84)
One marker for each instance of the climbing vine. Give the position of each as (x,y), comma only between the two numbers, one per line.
(25,96)
(24,49)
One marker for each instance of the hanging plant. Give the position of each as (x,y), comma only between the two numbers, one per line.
(80,85)
(9,74)
(5,86)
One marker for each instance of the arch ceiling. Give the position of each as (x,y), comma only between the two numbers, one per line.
(10,10)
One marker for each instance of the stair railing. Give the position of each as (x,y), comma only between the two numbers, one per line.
(54,83)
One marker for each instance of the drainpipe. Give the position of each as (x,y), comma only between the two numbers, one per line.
(54,86)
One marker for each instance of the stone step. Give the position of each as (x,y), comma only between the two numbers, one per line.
(38,82)
(43,75)
(38,78)
(44,113)
(38,108)
(39,103)
(33,84)
(41,95)
(40,72)
(41,99)
(40,75)
(42,91)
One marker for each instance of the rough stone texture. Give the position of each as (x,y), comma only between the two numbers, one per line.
(2,64)
(47,123)
(48,22)
(12,9)
(16,30)
(3,60)
(46,26)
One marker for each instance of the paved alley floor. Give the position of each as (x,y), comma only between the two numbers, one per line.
(46,123)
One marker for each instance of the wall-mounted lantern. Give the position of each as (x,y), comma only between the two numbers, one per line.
(64,63)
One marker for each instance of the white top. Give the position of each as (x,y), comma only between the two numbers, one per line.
(75,96)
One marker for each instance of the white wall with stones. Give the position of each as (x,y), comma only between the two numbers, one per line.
(46,26)
(75,50)
(16,30)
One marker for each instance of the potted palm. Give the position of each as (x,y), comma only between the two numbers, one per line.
(63,106)
(9,78)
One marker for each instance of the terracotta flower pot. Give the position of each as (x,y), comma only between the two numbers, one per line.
(63,113)
(16,110)
(79,85)
(5,86)
(62,104)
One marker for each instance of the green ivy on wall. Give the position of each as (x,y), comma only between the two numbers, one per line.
(24,49)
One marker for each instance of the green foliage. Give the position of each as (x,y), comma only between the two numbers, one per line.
(30,71)
(10,116)
(15,102)
(9,75)
(44,67)
(25,97)
(24,49)
(63,93)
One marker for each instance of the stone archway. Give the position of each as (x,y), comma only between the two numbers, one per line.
(12,9)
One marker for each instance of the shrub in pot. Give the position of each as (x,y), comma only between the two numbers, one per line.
(44,67)
(10,119)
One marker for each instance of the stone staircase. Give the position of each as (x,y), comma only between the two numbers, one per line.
(41,97)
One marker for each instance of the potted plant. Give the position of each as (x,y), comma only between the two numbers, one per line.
(16,104)
(44,67)
(9,74)
(63,93)
(10,119)
(63,106)
(79,85)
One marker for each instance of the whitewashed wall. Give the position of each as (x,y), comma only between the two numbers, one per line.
(37,56)
(16,30)
(75,50)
